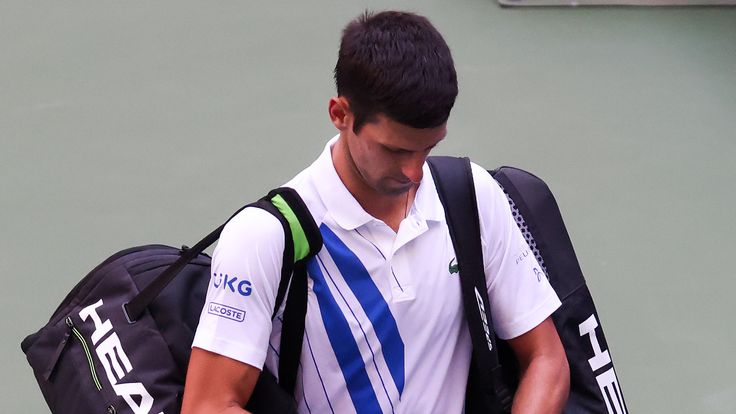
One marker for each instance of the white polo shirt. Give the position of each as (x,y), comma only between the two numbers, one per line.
(385,330)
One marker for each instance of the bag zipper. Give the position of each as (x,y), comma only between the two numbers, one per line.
(56,355)
(87,353)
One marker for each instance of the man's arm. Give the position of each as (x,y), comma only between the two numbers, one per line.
(246,269)
(545,374)
(217,384)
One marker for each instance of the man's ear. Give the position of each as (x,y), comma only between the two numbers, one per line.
(340,113)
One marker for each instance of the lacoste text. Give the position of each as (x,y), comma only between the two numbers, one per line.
(226,312)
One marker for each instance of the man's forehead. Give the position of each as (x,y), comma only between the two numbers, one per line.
(393,133)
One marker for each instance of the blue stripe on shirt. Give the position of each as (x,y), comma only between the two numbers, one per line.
(343,345)
(372,301)
(360,325)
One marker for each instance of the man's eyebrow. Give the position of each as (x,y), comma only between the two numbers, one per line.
(438,142)
(393,148)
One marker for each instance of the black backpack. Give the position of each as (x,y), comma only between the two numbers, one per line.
(594,387)
(120,340)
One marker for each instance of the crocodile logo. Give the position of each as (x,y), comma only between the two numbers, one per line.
(453,267)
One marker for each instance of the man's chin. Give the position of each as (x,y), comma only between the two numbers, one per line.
(395,188)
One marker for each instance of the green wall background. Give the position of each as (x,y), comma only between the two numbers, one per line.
(125,123)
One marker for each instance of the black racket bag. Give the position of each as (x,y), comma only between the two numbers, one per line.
(120,341)
(594,386)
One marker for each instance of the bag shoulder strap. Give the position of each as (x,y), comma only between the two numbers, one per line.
(303,239)
(454,181)
(307,242)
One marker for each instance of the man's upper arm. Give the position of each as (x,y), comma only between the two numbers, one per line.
(545,375)
(246,270)
(542,340)
(232,338)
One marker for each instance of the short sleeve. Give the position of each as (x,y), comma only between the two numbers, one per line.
(245,274)
(520,294)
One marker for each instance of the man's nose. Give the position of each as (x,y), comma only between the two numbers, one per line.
(412,169)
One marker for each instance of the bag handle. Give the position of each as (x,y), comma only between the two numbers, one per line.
(283,203)
(453,178)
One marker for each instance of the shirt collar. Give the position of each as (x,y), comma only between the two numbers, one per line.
(427,202)
(345,209)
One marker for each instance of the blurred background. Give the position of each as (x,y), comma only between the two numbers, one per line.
(128,123)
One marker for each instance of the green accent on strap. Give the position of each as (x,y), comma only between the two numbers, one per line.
(301,244)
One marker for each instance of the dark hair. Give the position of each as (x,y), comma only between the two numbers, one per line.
(397,64)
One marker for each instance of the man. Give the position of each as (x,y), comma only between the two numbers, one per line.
(385,329)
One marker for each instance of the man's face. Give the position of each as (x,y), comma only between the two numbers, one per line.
(388,156)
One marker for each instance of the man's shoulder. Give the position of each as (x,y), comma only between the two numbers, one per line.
(306,183)
(480,173)
(252,227)
(486,188)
